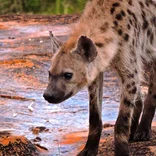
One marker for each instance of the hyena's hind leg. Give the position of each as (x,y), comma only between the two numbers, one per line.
(144,129)
(95,121)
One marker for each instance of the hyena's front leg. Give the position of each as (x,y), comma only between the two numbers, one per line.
(127,104)
(136,116)
(95,122)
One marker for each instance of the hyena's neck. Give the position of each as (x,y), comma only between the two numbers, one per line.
(106,53)
(106,45)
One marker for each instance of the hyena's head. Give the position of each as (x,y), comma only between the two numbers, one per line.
(69,69)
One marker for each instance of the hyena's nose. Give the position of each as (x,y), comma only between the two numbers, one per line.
(53,97)
(47,96)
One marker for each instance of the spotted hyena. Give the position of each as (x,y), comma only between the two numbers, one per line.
(116,33)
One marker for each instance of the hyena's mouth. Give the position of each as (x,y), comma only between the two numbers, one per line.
(56,99)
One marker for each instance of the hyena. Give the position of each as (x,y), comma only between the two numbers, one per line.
(116,33)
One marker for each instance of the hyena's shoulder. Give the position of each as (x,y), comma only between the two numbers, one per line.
(118,14)
(123,14)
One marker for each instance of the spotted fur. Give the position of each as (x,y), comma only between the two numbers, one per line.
(116,33)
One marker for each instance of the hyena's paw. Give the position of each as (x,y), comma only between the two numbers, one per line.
(143,135)
(88,152)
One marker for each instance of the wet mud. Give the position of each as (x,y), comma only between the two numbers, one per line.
(25,54)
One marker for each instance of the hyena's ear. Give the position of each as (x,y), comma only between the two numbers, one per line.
(55,42)
(86,48)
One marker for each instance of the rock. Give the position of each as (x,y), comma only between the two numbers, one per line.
(16,145)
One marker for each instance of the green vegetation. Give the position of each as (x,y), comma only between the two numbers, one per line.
(41,6)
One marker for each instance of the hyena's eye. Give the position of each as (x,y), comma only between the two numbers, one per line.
(67,76)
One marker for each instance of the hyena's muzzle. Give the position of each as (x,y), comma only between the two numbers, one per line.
(56,92)
(55,95)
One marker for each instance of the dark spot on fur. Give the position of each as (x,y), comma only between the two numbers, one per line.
(133,83)
(148,32)
(123,13)
(116,4)
(123,81)
(141,4)
(126,37)
(128,26)
(145,24)
(133,42)
(128,86)
(119,17)
(153,21)
(136,71)
(134,16)
(133,91)
(129,12)
(130,21)
(112,10)
(130,2)
(116,23)
(143,59)
(120,32)
(120,44)
(130,75)
(148,51)
(128,102)
(151,38)
(143,15)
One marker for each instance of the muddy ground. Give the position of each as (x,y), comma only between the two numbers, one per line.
(25,53)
